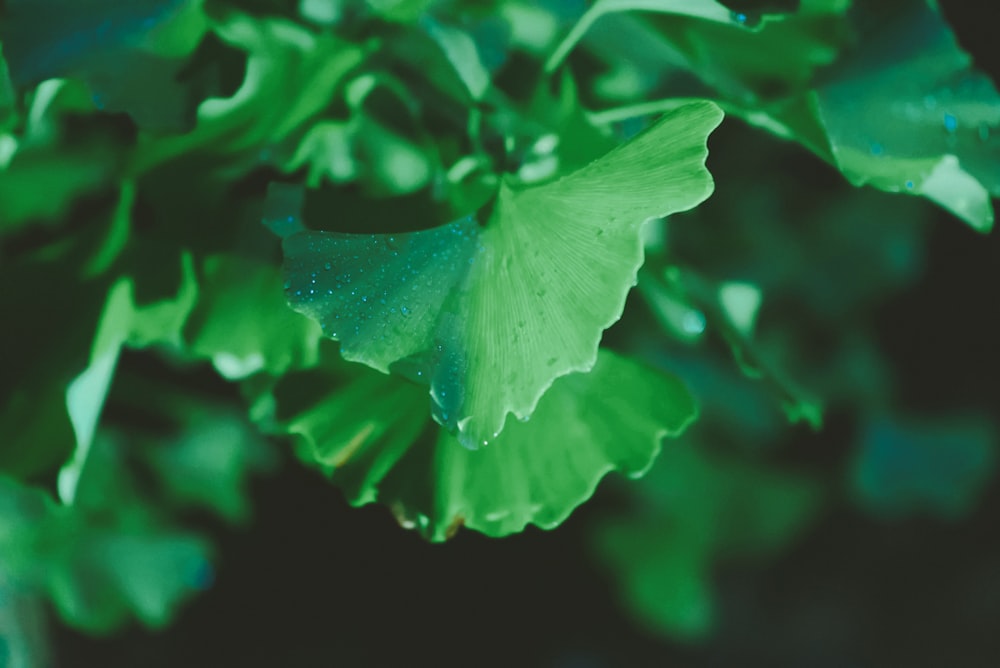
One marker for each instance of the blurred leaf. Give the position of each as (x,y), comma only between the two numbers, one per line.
(906,112)
(42,354)
(242,321)
(210,464)
(934,465)
(97,571)
(700,509)
(128,54)
(460,50)
(365,434)
(8,99)
(123,322)
(749,68)
(689,305)
(404,11)
(709,10)
(431,303)
(48,167)
(285,62)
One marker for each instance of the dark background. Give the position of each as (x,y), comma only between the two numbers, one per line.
(312,582)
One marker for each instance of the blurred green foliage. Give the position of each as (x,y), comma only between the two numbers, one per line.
(483,184)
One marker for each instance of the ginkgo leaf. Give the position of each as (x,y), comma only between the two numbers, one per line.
(364,431)
(286,63)
(708,10)
(242,324)
(490,316)
(908,112)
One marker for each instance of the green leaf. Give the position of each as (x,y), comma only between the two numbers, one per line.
(210,463)
(285,62)
(7,98)
(907,112)
(489,317)
(700,509)
(242,322)
(403,11)
(707,9)
(97,571)
(460,50)
(689,305)
(938,466)
(904,110)
(364,433)
(129,55)
(46,170)
(123,322)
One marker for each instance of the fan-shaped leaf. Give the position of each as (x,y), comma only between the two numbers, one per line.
(489,317)
(366,435)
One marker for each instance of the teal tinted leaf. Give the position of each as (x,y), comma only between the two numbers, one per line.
(128,55)
(242,321)
(907,112)
(44,39)
(937,466)
(700,510)
(365,434)
(489,317)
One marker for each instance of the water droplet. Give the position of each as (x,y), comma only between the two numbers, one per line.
(950,123)
(745,19)
(909,185)
(328,266)
(877,148)
(405,311)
